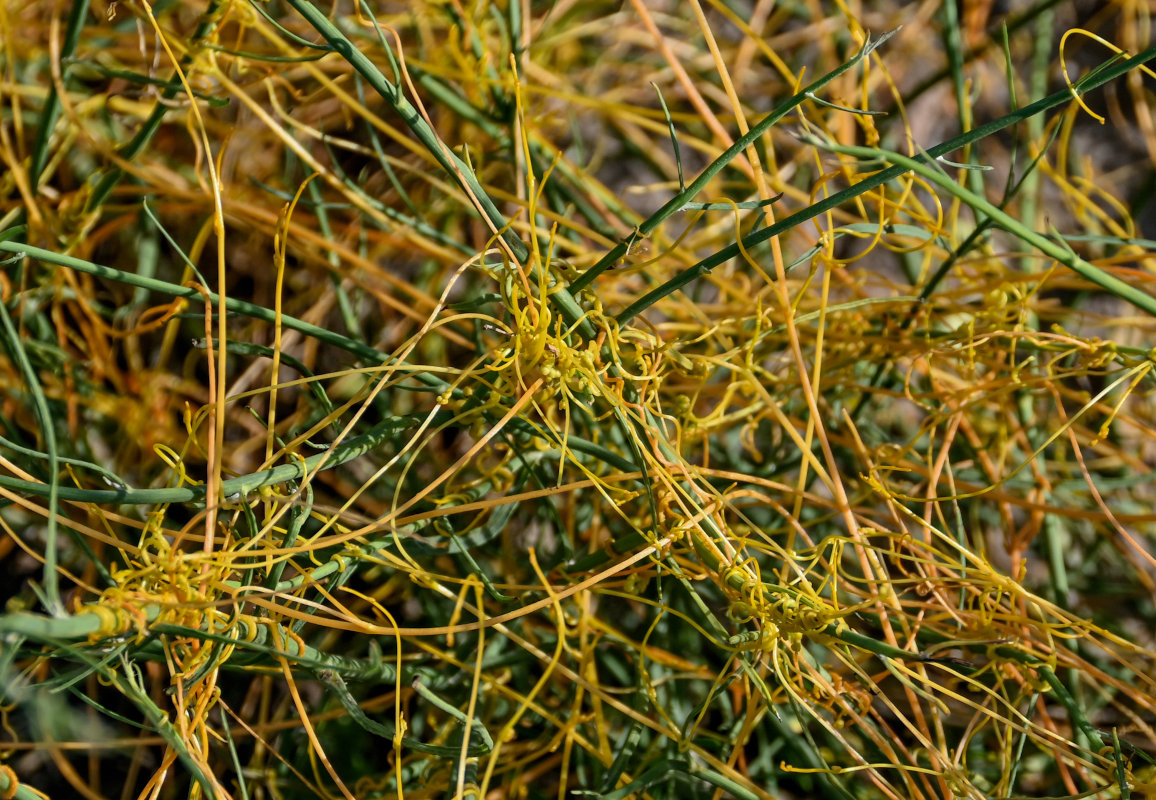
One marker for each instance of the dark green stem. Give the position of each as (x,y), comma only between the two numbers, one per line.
(1093,81)
(680,200)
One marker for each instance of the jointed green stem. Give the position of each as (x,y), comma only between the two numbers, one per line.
(683,198)
(1049,247)
(1113,70)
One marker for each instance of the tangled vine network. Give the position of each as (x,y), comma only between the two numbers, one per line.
(660,398)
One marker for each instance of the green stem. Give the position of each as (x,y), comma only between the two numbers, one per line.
(1095,80)
(393,95)
(137,144)
(684,197)
(20,792)
(236,488)
(333,680)
(1044,244)
(47,424)
(1095,740)
(362,351)
(51,112)
(255,646)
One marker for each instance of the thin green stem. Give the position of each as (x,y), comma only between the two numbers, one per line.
(392,93)
(359,349)
(109,181)
(1044,244)
(680,201)
(51,112)
(47,425)
(1101,76)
